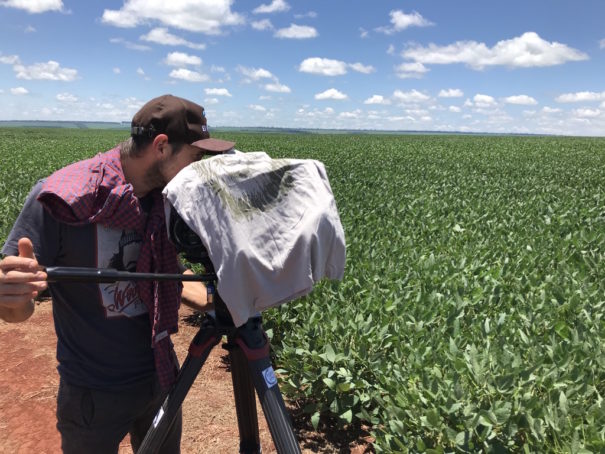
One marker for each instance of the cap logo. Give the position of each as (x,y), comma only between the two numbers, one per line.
(204,128)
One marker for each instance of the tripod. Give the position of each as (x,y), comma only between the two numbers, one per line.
(251,369)
(248,348)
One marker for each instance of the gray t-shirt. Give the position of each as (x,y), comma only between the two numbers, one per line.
(103,330)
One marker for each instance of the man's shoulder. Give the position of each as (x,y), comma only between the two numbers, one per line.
(85,175)
(90,164)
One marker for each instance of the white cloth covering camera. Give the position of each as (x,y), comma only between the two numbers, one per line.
(270,226)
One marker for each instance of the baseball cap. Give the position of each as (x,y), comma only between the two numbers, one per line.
(181,120)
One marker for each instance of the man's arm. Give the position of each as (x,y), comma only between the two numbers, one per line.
(18,313)
(194,295)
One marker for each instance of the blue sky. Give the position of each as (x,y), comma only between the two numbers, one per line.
(442,65)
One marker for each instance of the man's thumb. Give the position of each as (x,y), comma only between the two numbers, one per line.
(26,248)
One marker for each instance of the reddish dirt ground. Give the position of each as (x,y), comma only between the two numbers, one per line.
(29,383)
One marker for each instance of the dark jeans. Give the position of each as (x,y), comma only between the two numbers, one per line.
(95,421)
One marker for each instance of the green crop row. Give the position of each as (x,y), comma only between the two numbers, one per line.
(470,317)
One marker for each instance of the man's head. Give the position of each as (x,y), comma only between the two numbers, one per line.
(181,120)
(167,134)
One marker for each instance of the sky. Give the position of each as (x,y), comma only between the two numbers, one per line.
(517,66)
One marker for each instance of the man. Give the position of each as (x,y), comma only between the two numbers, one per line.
(115,357)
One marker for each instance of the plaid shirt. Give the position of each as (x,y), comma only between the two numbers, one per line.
(95,191)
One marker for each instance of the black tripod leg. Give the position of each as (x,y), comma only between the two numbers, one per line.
(245,402)
(206,338)
(255,345)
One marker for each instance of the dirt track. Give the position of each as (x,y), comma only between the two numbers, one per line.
(29,381)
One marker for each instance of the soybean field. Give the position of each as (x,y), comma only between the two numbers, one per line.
(471,315)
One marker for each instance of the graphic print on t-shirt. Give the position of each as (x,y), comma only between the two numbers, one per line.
(119,249)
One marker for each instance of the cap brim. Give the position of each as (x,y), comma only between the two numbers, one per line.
(214,145)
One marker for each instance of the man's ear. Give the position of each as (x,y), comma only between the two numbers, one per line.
(160,143)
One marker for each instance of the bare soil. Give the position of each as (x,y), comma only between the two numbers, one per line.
(29,384)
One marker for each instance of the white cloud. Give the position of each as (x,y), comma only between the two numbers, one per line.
(277,88)
(409,97)
(201,16)
(581,96)
(361,68)
(413,70)
(350,115)
(210,101)
(264,24)
(484,100)
(162,36)
(395,119)
(602,44)
(276,6)
(129,44)
(451,93)
(315,113)
(182,59)
(141,73)
(50,70)
(18,91)
(323,66)
(586,113)
(311,14)
(549,110)
(217,92)
(51,111)
(377,99)
(257,108)
(363,33)
(400,21)
(117,70)
(188,75)
(331,93)
(391,50)
(454,109)
(34,6)
(296,32)
(416,112)
(217,69)
(9,59)
(255,73)
(373,115)
(66,97)
(522,100)
(30,29)
(329,67)
(527,50)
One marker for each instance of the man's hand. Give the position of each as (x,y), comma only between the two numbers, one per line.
(21,279)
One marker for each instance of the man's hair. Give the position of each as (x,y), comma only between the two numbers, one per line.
(133,146)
